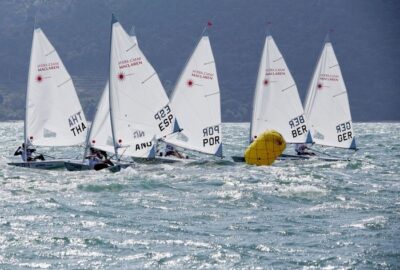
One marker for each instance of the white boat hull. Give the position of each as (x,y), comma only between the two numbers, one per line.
(76,166)
(44,165)
(79,166)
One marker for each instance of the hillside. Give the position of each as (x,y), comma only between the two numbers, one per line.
(366,37)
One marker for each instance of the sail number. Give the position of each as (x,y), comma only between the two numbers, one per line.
(344,131)
(76,123)
(165,117)
(211,136)
(298,126)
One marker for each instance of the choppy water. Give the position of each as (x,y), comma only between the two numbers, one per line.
(216,214)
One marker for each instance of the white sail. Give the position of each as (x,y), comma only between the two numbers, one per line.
(54,116)
(139,107)
(100,135)
(277,103)
(327,107)
(196,100)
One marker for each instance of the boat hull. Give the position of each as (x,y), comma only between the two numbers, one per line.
(44,165)
(79,166)
(76,166)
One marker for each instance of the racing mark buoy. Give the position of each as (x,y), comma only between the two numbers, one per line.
(265,149)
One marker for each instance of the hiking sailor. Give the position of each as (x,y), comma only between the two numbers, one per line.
(301,150)
(169,150)
(26,153)
(98,159)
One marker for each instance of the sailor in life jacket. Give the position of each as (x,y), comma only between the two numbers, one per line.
(301,150)
(169,150)
(27,153)
(98,159)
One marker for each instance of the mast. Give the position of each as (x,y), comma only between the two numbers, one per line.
(255,91)
(113,21)
(267,33)
(26,140)
(87,143)
(311,92)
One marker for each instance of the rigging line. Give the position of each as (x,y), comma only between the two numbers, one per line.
(324,153)
(276,60)
(123,153)
(334,65)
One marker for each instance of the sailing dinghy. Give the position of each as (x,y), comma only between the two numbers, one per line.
(196,101)
(54,115)
(136,112)
(276,104)
(140,112)
(327,107)
(100,135)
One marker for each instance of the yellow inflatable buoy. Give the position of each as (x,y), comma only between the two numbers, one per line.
(265,149)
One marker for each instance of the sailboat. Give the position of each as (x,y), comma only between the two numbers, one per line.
(327,107)
(100,135)
(134,111)
(140,112)
(276,104)
(54,116)
(196,101)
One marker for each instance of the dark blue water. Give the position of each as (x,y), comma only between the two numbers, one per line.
(214,214)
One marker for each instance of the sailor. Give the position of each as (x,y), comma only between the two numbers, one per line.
(104,158)
(98,159)
(301,150)
(27,153)
(171,151)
